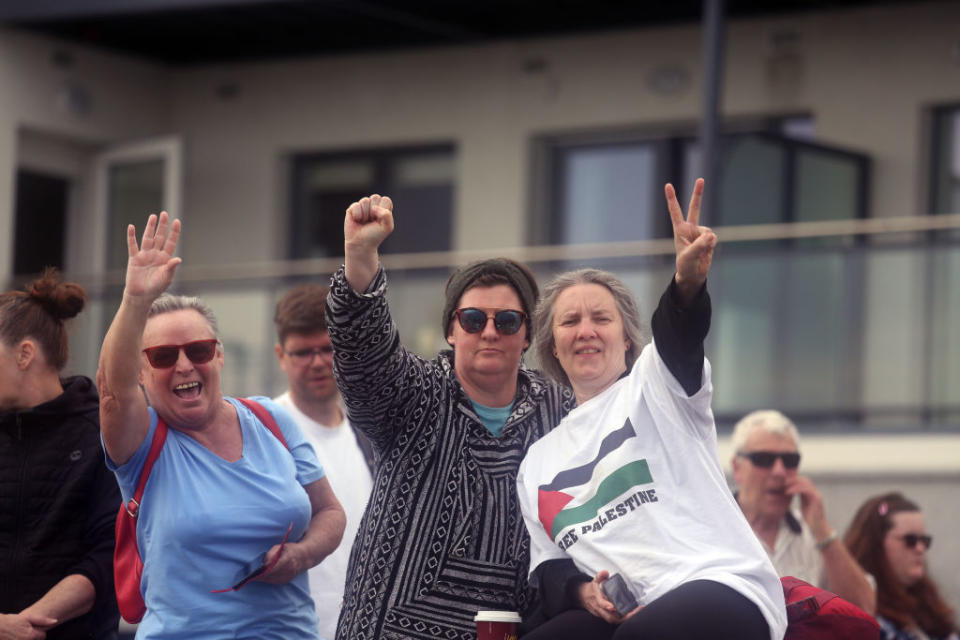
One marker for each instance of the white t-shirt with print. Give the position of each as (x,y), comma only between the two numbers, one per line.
(337,449)
(630,482)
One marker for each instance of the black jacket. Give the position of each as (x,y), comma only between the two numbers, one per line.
(58,506)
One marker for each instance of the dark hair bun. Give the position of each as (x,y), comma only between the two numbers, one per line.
(62,300)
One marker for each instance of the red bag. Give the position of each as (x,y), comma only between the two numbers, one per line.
(815,614)
(127,565)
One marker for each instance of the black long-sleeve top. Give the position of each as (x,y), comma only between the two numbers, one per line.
(58,507)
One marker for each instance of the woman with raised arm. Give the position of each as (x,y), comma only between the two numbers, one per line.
(441,537)
(58,502)
(226,495)
(634,533)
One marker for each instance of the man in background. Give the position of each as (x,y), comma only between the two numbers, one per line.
(306,357)
(800,543)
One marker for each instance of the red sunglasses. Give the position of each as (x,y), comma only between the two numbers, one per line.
(165,356)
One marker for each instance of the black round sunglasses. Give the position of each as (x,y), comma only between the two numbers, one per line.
(507,321)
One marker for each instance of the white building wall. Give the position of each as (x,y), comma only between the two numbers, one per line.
(126,99)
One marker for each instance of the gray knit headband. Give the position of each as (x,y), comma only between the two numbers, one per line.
(519,277)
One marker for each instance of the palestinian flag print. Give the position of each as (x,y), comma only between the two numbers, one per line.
(577,495)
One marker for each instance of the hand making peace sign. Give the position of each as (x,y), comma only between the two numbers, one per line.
(694,244)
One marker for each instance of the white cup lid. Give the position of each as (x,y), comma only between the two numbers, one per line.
(498,616)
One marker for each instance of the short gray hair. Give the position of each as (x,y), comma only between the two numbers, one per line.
(543,318)
(770,421)
(168,303)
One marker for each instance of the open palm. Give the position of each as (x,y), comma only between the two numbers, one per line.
(151,266)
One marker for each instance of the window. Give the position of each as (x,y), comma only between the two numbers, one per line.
(946,160)
(134,186)
(418,179)
(770,173)
(41,205)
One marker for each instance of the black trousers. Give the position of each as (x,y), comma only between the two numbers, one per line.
(696,610)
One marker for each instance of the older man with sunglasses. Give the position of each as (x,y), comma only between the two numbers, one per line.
(801,544)
(442,536)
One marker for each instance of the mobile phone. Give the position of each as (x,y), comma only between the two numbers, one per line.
(251,570)
(618,593)
(256,567)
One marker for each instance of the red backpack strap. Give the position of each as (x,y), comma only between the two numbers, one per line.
(266,418)
(159,437)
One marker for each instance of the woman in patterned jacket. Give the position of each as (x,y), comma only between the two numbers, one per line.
(442,536)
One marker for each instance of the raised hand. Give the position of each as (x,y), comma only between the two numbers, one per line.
(694,244)
(368,223)
(150,267)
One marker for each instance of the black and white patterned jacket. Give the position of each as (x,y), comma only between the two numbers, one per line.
(442,536)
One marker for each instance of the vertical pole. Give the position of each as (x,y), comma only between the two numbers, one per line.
(712,47)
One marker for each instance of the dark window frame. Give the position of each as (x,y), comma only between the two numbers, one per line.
(382,159)
(669,143)
(937,143)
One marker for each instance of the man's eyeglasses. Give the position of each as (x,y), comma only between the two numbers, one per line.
(766,459)
(165,356)
(507,321)
(303,356)
(911,540)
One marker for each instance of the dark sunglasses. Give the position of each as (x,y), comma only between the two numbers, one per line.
(507,321)
(911,540)
(165,356)
(766,459)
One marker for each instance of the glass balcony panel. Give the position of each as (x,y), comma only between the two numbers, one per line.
(944,347)
(743,335)
(894,318)
(842,338)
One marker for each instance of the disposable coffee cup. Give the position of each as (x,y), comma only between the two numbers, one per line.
(497,625)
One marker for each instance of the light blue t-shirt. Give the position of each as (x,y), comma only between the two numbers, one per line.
(203,518)
(493,418)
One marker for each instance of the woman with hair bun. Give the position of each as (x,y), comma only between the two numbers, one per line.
(58,500)
(889,539)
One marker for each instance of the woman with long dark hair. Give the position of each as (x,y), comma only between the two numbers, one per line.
(889,539)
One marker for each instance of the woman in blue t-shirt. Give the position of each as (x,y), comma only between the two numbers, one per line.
(225,495)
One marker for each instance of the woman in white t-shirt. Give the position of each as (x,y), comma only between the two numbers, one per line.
(626,500)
